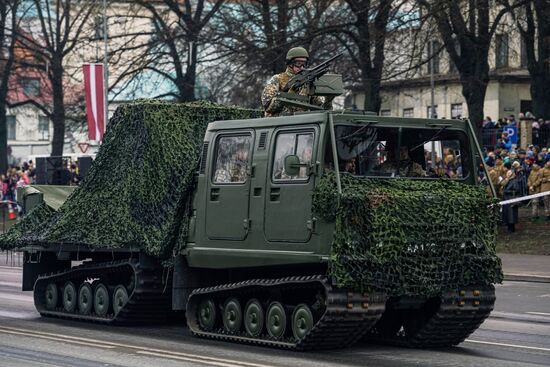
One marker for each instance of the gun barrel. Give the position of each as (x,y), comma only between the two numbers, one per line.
(308,76)
(327,62)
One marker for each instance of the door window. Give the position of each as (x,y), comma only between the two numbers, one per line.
(231,163)
(300,144)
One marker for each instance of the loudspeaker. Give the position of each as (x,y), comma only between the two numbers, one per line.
(84,165)
(41,177)
(52,171)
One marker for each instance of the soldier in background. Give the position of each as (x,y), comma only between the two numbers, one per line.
(296,60)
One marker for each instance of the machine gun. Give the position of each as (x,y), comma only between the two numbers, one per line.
(307,77)
(317,83)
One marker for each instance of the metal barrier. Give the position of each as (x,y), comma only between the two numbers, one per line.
(541,137)
(11,258)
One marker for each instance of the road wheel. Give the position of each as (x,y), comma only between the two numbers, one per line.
(302,321)
(85,298)
(120,297)
(51,296)
(207,314)
(101,300)
(70,297)
(254,318)
(276,320)
(232,316)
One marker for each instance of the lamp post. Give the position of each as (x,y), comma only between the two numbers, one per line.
(105,65)
(432,96)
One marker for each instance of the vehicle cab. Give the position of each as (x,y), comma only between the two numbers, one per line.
(253,204)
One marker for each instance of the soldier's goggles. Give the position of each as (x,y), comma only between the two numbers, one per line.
(300,64)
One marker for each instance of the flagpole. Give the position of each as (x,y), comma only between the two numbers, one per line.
(105,67)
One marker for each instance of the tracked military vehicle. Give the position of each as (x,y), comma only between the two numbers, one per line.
(310,231)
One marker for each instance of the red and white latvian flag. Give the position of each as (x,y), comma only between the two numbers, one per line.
(95,100)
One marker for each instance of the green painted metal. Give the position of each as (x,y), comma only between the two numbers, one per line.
(276,320)
(207,314)
(302,321)
(232,316)
(101,300)
(85,298)
(254,318)
(120,297)
(51,295)
(70,297)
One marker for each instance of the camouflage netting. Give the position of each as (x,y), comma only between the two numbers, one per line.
(409,237)
(136,193)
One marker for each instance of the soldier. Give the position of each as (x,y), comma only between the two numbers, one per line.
(534,182)
(296,60)
(545,186)
(407,167)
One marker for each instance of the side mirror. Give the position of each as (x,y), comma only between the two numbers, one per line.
(292,165)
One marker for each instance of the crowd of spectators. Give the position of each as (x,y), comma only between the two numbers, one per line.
(24,175)
(17,176)
(492,131)
(518,172)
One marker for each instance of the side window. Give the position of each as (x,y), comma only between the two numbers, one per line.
(443,159)
(300,144)
(231,159)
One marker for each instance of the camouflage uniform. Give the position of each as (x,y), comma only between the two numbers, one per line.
(276,108)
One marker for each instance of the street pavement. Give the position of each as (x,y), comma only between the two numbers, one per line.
(517,333)
(527,268)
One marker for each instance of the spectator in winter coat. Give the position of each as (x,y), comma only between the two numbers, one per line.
(534,182)
(506,142)
(545,187)
(490,159)
(510,189)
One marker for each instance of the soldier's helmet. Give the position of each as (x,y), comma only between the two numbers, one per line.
(296,52)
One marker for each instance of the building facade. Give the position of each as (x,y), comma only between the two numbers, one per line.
(508,91)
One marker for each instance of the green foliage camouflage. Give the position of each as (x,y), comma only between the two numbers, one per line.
(409,237)
(137,192)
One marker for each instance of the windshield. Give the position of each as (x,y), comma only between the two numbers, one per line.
(367,150)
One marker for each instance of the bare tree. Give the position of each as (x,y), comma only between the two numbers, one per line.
(467,28)
(255,36)
(365,37)
(8,23)
(178,33)
(55,34)
(532,21)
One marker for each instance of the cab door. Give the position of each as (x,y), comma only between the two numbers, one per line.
(228,188)
(288,201)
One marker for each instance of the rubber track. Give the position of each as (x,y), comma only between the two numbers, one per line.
(338,327)
(149,302)
(456,318)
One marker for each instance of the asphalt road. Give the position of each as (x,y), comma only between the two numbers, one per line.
(517,334)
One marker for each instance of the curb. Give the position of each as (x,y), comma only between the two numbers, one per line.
(519,317)
(519,277)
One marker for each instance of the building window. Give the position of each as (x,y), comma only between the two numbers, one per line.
(523,54)
(408,112)
(385,112)
(456,110)
(43,128)
(433,57)
(429,112)
(31,86)
(501,51)
(11,127)
(452,66)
